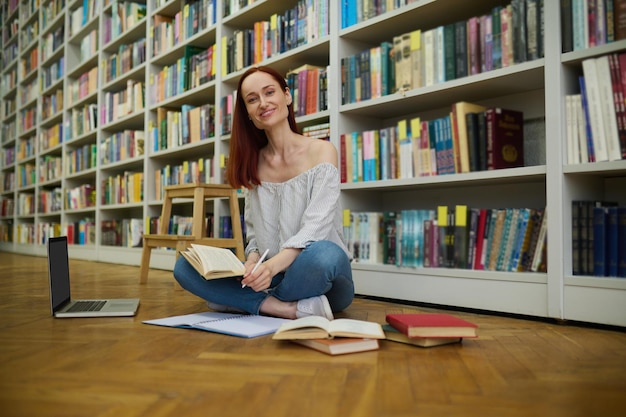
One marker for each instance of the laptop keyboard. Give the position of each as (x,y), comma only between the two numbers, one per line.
(79,306)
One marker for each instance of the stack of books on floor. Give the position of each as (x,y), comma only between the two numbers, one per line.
(341,336)
(428,330)
(334,337)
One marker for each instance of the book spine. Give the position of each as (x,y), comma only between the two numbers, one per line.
(599,241)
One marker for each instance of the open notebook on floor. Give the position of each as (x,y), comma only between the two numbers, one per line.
(61,304)
(241,325)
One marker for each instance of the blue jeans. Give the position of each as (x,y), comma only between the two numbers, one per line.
(321,268)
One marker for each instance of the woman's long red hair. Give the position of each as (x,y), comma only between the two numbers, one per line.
(246,140)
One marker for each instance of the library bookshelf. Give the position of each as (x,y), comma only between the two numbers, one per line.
(77,81)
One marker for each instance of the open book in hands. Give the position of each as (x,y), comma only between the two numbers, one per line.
(317,327)
(212,262)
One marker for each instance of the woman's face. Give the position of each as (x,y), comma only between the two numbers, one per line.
(265,102)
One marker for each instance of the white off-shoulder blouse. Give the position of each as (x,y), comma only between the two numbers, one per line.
(295,213)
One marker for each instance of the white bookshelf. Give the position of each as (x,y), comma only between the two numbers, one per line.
(536,87)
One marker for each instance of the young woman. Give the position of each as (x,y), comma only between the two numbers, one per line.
(292,210)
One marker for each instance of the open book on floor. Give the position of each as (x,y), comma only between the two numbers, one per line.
(241,325)
(432,325)
(212,262)
(317,327)
(395,335)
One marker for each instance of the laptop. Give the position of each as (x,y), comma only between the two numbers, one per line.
(61,303)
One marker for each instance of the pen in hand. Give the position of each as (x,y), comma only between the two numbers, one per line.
(261,259)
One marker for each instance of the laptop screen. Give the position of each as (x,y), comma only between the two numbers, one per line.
(59,272)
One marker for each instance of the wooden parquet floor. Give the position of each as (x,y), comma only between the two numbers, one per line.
(116,367)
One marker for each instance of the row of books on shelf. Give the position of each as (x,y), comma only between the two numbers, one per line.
(503,239)
(201,66)
(123,17)
(80,197)
(127,57)
(6,231)
(122,232)
(183,225)
(598,238)
(89,45)
(50,168)
(585,24)
(123,188)
(230,7)
(51,137)
(82,232)
(471,138)
(508,35)
(50,11)
(596,117)
(356,11)
(82,120)
(28,118)
(26,204)
(83,14)
(7,207)
(28,93)
(29,63)
(202,171)
(194,68)
(304,23)
(168,31)
(29,34)
(176,128)
(122,103)
(51,42)
(84,85)
(122,145)
(51,104)
(308,85)
(7,181)
(80,159)
(50,201)
(317,131)
(26,148)
(52,73)
(7,157)
(26,175)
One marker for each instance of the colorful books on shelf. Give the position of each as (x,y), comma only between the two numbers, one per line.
(432,325)
(308,85)
(507,239)
(596,117)
(507,34)
(588,24)
(283,31)
(471,138)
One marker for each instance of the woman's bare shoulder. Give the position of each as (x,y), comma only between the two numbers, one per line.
(323,151)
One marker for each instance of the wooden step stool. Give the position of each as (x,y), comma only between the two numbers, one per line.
(200,193)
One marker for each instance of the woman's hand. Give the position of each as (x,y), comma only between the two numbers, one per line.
(258,280)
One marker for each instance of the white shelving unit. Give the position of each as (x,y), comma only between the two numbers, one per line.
(536,87)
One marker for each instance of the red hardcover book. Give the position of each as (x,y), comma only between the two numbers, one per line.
(505,138)
(432,325)
(480,235)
